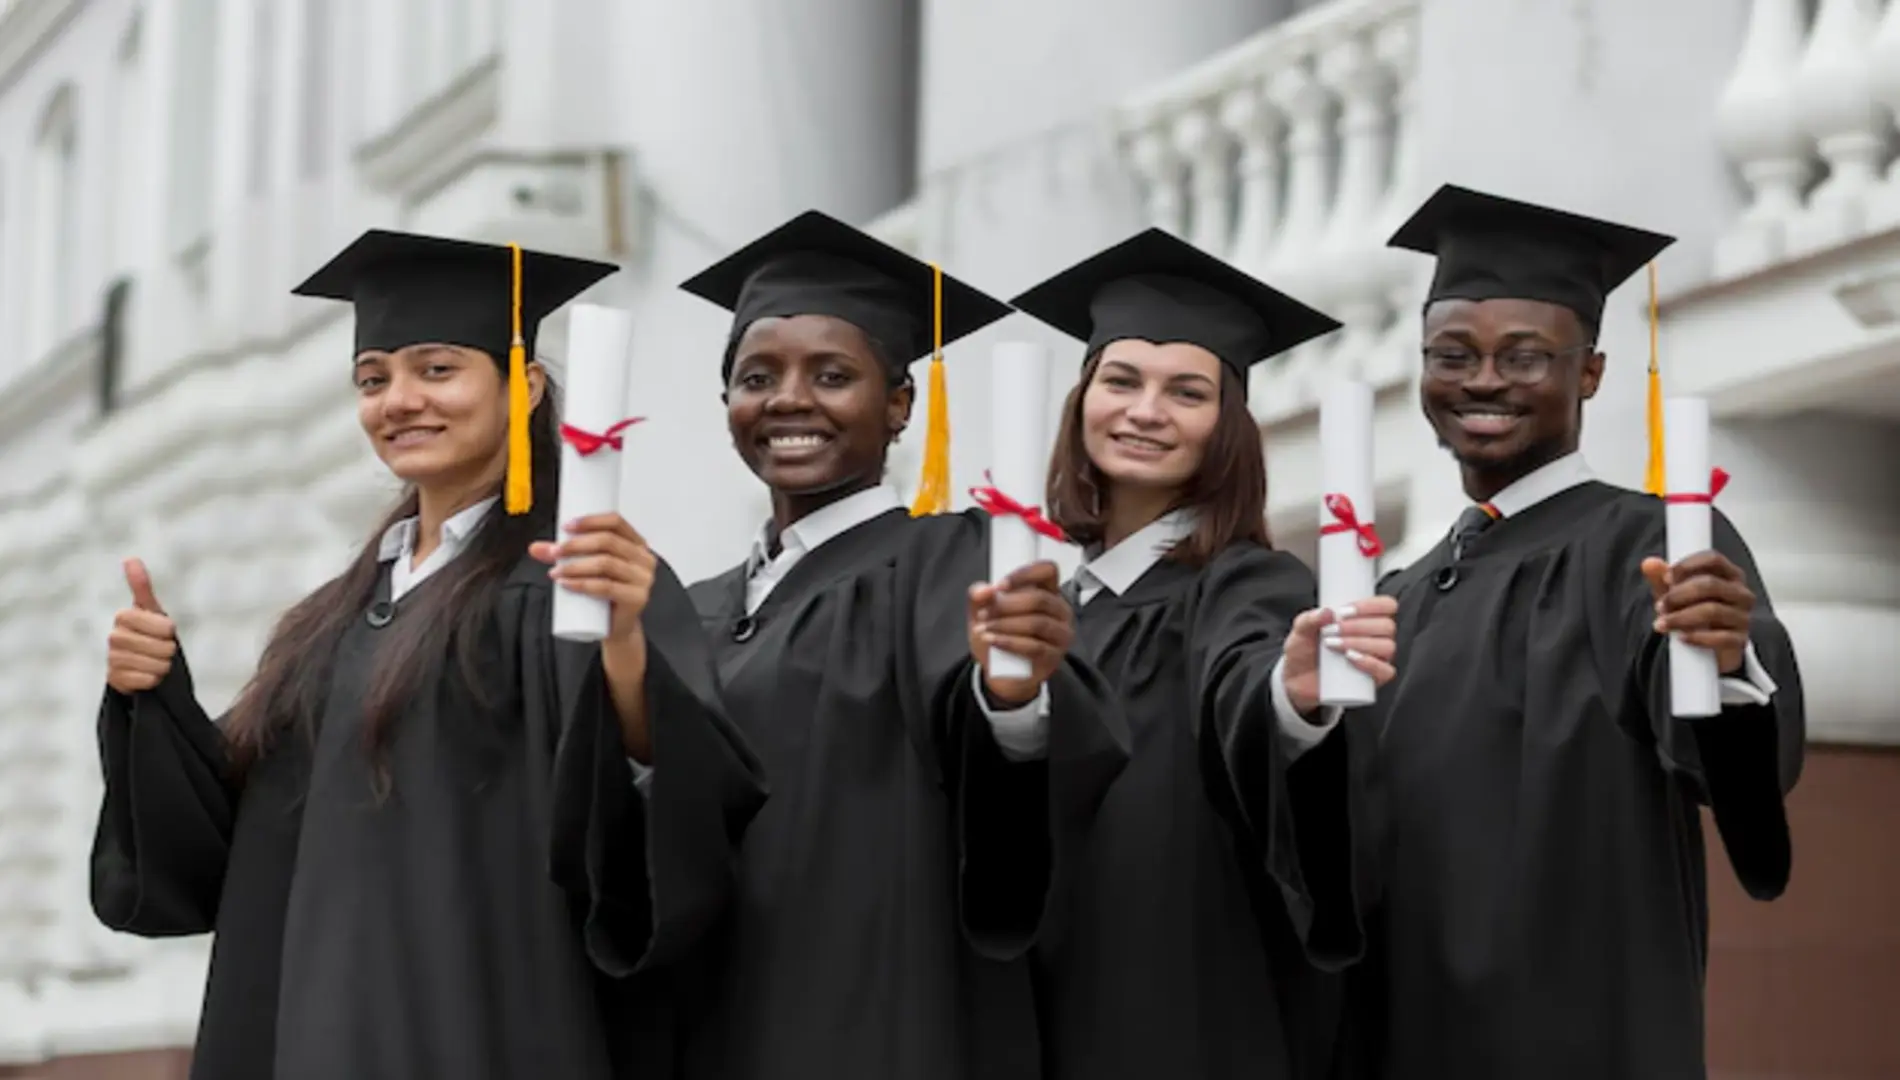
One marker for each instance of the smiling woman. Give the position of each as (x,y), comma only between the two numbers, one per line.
(922,811)
(813,406)
(370,831)
(1217,879)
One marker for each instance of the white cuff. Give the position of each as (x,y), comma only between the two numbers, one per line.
(1021,733)
(1754,686)
(1302,734)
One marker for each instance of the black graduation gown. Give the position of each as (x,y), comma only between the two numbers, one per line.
(1214,864)
(1543,909)
(427,936)
(902,861)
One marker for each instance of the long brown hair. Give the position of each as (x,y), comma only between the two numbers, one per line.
(293,679)
(1228,491)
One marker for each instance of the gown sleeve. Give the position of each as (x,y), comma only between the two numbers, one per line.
(1295,815)
(163,838)
(1740,763)
(649,867)
(1019,825)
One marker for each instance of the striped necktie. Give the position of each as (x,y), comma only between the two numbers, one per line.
(1476,518)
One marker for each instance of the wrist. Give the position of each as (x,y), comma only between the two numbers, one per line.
(624,656)
(1015,698)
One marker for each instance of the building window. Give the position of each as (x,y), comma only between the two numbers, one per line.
(55,221)
(313,151)
(194,123)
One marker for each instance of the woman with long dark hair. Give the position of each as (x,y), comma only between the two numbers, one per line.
(922,808)
(1218,872)
(415,858)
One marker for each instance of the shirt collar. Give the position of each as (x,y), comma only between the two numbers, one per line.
(400,539)
(826,523)
(1550,480)
(1118,568)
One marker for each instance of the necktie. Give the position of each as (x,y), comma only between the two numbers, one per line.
(1072,592)
(1471,523)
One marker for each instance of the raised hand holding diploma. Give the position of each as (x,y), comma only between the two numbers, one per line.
(592,439)
(1700,599)
(1348,544)
(1019,452)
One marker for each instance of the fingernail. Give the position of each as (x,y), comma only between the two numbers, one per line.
(1335,644)
(1355,654)
(1661,625)
(1331,629)
(1343,613)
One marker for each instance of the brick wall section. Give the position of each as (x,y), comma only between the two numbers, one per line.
(1808,987)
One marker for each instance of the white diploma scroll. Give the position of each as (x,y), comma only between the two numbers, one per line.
(596,399)
(1019,456)
(1694,683)
(1346,573)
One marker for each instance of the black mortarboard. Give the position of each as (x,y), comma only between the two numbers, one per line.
(410,289)
(1493,248)
(1156,287)
(815,264)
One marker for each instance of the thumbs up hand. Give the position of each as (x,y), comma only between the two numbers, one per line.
(144,641)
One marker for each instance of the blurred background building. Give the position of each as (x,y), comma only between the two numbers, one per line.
(169,168)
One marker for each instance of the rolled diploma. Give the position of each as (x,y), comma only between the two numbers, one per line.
(1694,683)
(1345,573)
(598,338)
(1019,395)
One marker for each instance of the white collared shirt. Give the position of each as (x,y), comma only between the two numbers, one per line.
(1022,734)
(1117,569)
(399,546)
(1753,687)
(764,571)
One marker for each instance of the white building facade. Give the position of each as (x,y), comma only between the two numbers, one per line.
(169,168)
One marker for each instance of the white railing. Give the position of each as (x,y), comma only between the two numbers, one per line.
(1808,119)
(1293,156)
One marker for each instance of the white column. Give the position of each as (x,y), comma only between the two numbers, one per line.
(1759,130)
(233,104)
(1257,125)
(1834,98)
(742,116)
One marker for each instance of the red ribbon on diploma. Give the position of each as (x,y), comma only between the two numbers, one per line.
(589,444)
(1718,479)
(998,504)
(1346,520)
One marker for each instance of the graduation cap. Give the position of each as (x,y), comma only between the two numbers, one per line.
(1156,287)
(1493,248)
(410,289)
(815,264)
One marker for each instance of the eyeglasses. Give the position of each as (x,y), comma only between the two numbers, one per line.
(1521,365)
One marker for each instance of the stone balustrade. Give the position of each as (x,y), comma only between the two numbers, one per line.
(1808,119)
(1292,156)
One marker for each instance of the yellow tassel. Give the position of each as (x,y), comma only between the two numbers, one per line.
(1653,479)
(933,488)
(519,485)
